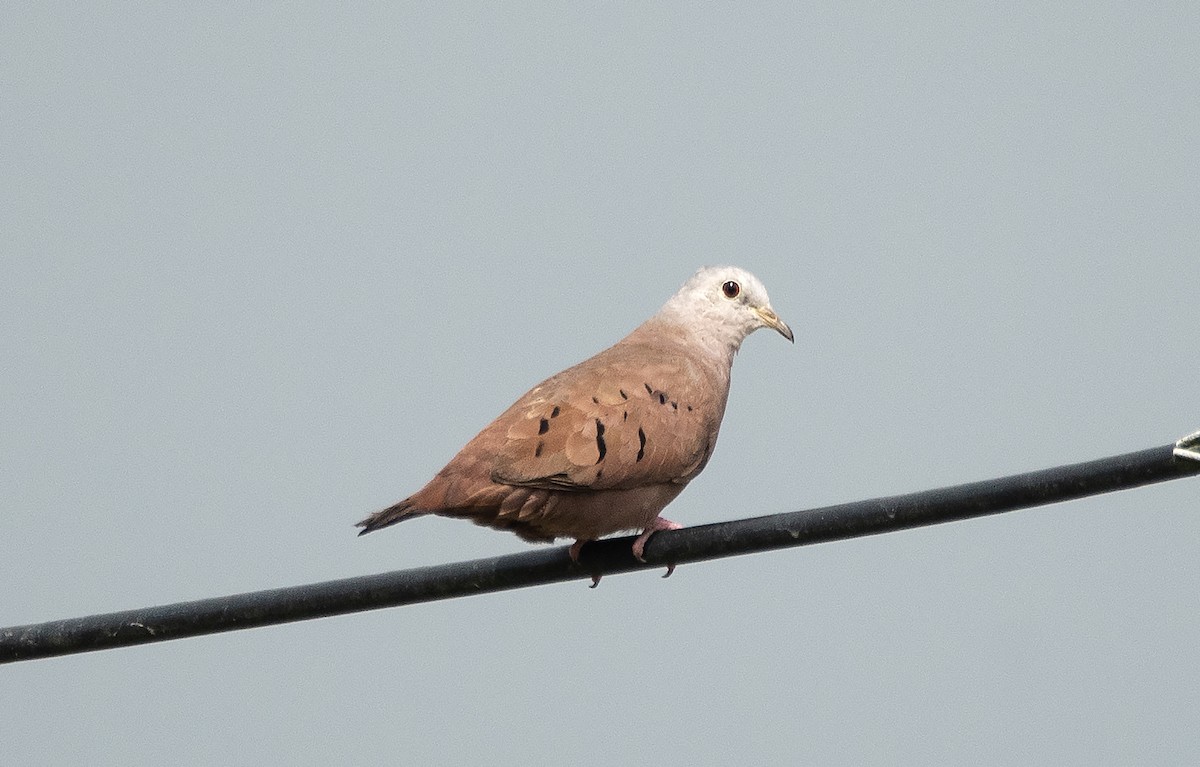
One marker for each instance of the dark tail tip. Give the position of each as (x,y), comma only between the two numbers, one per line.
(374,522)
(389,516)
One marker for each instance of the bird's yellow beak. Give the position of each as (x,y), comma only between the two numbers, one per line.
(771,320)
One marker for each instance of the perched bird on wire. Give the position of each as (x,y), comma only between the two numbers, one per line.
(604,446)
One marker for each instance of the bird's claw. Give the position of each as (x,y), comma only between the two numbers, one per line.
(659,523)
(639,548)
(574,552)
(575,549)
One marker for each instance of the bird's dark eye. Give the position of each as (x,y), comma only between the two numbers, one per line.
(731,289)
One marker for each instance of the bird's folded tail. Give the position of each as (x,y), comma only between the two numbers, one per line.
(390,516)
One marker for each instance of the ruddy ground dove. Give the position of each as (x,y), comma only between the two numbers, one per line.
(603,446)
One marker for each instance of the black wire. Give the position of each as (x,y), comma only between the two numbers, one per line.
(692,544)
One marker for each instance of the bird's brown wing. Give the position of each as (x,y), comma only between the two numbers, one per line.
(613,422)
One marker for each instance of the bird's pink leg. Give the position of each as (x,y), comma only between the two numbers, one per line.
(574,552)
(639,545)
(576,547)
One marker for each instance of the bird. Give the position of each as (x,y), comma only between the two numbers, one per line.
(602,447)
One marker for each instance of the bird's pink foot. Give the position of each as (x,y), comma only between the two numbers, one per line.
(639,545)
(576,547)
(574,551)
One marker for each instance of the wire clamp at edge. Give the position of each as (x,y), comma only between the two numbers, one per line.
(1188,447)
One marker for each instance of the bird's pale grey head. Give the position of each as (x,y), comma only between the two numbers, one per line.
(726,303)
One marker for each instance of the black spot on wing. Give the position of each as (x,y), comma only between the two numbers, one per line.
(544,426)
(641,444)
(600,446)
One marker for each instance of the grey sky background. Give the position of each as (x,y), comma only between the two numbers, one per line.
(265,269)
